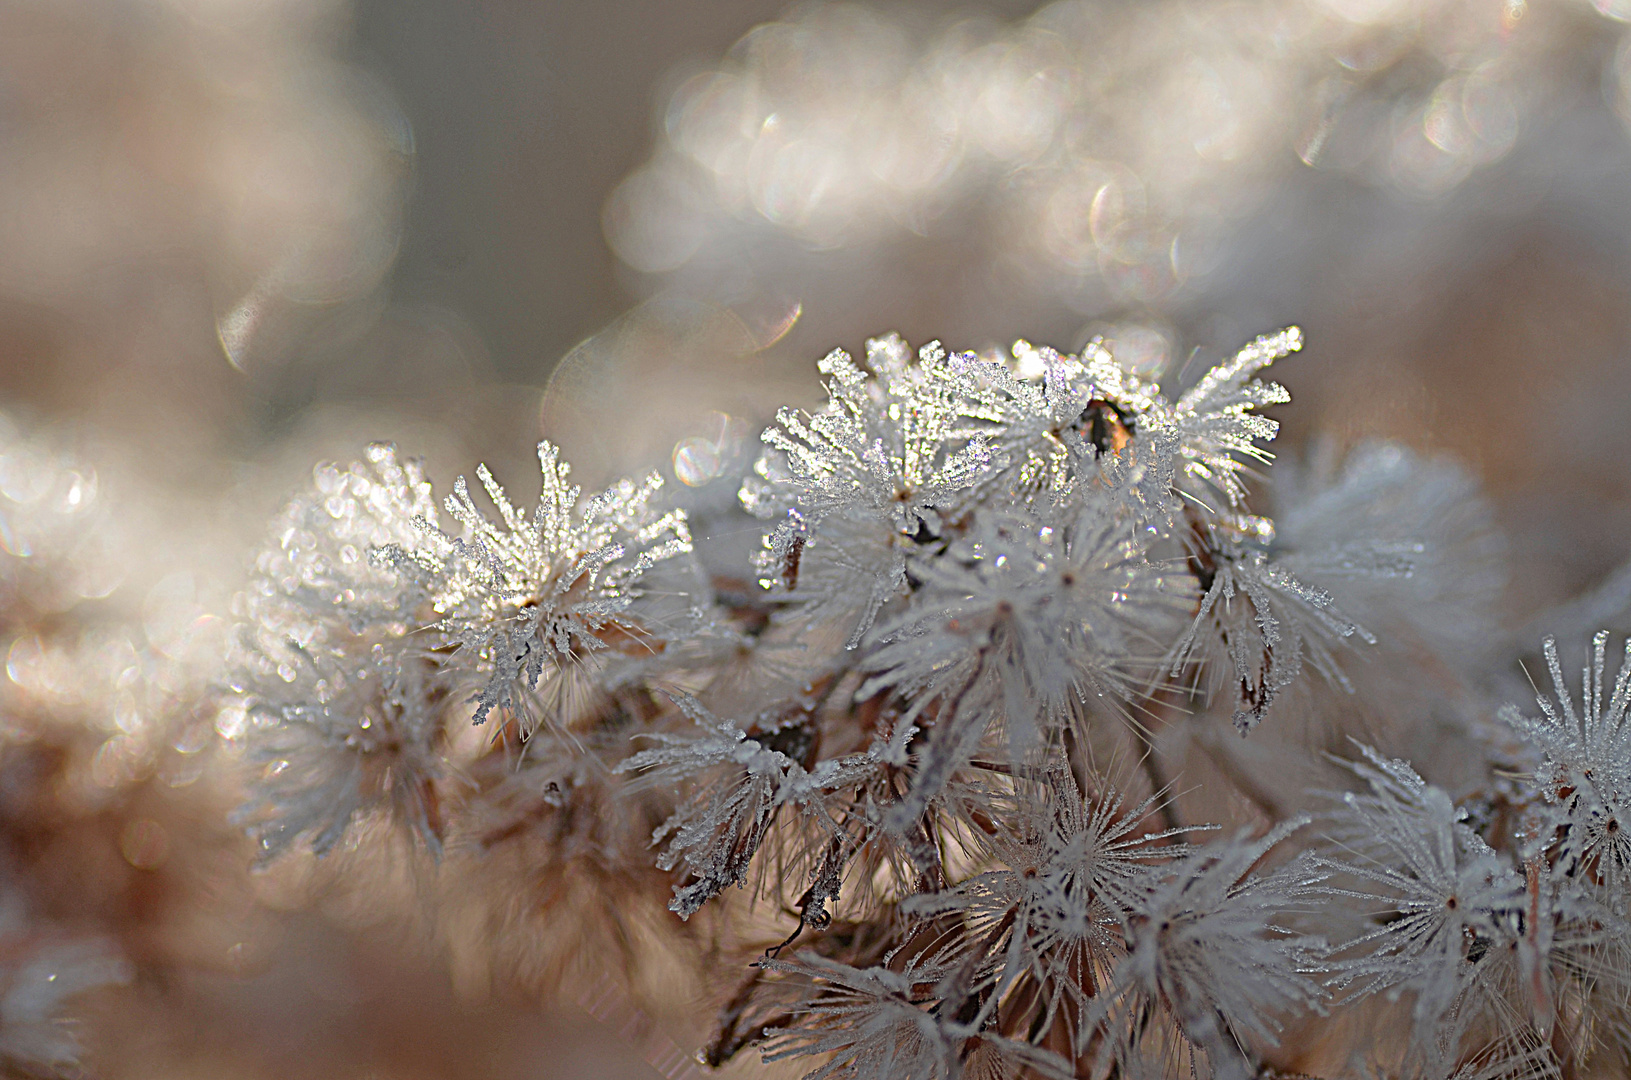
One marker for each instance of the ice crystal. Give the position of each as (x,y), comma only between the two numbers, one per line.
(317,570)
(1511,1057)
(1585,774)
(1257,621)
(1208,942)
(717,834)
(530,598)
(1091,409)
(862,482)
(984,578)
(345,700)
(1095,846)
(371,738)
(1020,625)
(1396,535)
(1445,901)
(1048,928)
(1041,426)
(1058,610)
(1385,545)
(883,1024)
(1211,425)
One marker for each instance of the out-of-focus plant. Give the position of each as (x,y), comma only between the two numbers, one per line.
(1101,151)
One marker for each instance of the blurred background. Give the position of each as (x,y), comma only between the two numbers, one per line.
(241,236)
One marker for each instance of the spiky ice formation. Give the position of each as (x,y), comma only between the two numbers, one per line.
(529,600)
(344,699)
(990,584)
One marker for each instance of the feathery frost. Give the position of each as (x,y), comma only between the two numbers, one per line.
(1257,623)
(530,598)
(1208,944)
(1446,901)
(718,832)
(1585,772)
(988,584)
(863,482)
(345,700)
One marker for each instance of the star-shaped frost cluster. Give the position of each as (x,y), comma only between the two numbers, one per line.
(528,599)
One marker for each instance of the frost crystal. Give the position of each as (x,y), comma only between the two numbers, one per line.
(1403,543)
(717,834)
(345,699)
(1256,620)
(880,1024)
(1207,942)
(1211,426)
(1446,901)
(873,764)
(534,599)
(1018,626)
(1586,772)
(863,482)
(1048,928)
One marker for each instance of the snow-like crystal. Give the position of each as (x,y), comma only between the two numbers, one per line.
(529,599)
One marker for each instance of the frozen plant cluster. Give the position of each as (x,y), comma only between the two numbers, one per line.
(1045,732)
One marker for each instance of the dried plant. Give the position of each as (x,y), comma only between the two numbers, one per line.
(999,599)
